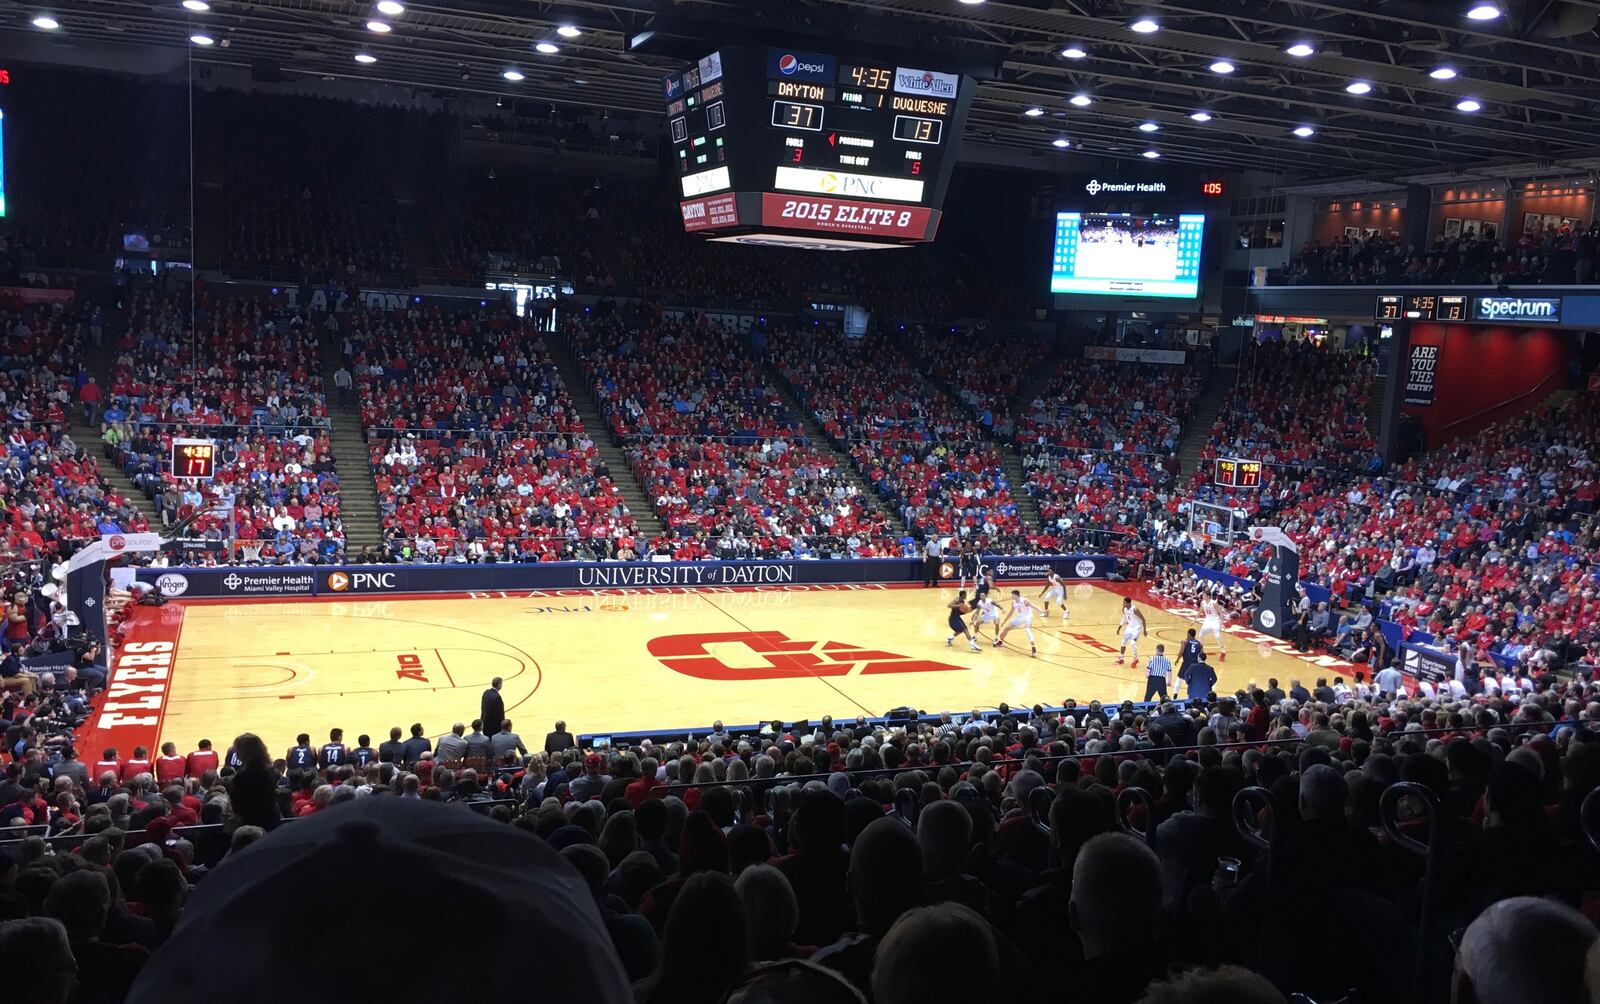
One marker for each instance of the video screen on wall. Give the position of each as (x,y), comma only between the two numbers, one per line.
(1128,254)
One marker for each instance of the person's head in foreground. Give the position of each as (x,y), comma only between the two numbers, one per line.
(369,863)
(1523,950)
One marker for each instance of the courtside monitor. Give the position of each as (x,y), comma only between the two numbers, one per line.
(1132,254)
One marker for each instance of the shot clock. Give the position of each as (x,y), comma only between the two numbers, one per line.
(194,458)
(1235,473)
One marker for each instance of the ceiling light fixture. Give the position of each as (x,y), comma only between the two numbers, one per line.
(46,22)
(1483,12)
(1358,87)
(1301,50)
(1201,116)
(1074,52)
(1082,100)
(198,6)
(1222,66)
(1152,155)
(391,8)
(569,31)
(380,27)
(1034,112)
(1149,126)
(548,48)
(1304,132)
(1443,73)
(202,40)
(1145,26)
(1468,105)
(366,58)
(1061,143)
(513,75)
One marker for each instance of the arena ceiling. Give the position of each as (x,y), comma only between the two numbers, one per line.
(1371,79)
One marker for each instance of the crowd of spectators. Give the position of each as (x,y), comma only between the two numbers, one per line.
(922,449)
(1295,404)
(710,440)
(1485,545)
(1563,253)
(1090,846)
(248,377)
(52,496)
(477,451)
(1099,444)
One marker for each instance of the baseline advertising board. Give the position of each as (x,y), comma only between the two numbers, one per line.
(366,580)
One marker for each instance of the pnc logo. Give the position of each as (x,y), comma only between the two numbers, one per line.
(338,582)
(772,655)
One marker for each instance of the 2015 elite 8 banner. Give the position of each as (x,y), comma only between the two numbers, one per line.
(811,212)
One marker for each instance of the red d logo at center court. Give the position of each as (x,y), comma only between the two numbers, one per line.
(785,659)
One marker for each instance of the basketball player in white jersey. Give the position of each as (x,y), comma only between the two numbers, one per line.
(988,613)
(1055,591)
(1211,623)
(1132,627)
(1020,616)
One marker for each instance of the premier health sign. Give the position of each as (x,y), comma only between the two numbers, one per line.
(1517,309)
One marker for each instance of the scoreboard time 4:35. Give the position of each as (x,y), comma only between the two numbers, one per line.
(782,146)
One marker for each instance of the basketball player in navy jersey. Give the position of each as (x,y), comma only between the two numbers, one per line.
(1191,655)
(957,622)
(984,579)
(334,753)
(968,565)
(301,755)
(364,754)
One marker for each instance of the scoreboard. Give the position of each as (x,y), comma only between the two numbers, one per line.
(194,458)
(1235,473)
(1421,307)
(804,149)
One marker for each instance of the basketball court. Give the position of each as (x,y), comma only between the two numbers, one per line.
(622,661)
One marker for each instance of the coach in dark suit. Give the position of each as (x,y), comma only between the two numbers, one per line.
(560,739)
(494,707)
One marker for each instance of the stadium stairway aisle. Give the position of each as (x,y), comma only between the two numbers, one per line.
(823,443)
(99,362)
(1205,415)
(605,441)
(1375,406)
(358,496)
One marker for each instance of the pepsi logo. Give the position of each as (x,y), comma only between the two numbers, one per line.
(787,63)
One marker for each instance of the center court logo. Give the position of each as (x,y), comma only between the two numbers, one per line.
(784,658)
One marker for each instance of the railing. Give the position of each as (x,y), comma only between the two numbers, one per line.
(1542,387)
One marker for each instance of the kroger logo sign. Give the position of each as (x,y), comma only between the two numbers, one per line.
(1516,308)
(172,584)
